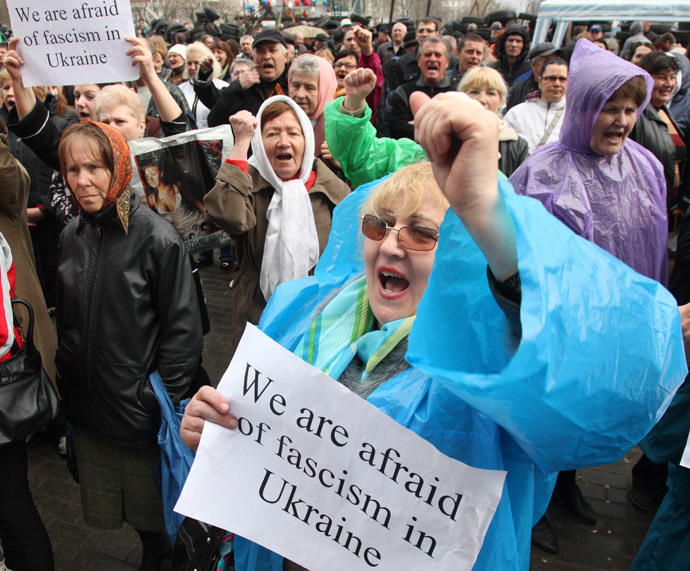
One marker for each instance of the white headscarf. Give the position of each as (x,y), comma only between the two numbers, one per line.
(291,247)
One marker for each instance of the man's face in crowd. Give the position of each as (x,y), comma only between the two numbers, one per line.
(209,41)
(426,29)
(514,45)
(349,42)
(3,53)
(540,63)
(471,55)
(270,59)
(398,34)
(433,62)
(553,82)
(299,39)
(246,46)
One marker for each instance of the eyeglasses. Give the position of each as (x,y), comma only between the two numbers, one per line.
(345,65)
(417,238)
(555,78)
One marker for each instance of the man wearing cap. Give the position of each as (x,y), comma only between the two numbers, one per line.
(471,54)
(539,55)
(320,43)
(433,61)
(394,48)
(511,51)
(268,77)
(595,32)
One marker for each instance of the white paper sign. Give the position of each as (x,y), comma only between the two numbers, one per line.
(322,477)
(70,42)
(685,460)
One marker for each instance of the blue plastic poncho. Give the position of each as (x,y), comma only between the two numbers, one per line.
(619,201)
(599,360)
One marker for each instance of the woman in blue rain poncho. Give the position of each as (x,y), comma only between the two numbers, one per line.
(531,410)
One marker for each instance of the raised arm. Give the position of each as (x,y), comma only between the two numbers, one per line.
(352,138)
(167,107)
(460,137)
(24,97)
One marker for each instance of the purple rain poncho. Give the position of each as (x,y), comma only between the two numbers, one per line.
(619,201)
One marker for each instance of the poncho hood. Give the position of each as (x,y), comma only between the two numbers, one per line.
(593,77)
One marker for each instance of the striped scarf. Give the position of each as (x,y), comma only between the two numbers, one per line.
(345,328)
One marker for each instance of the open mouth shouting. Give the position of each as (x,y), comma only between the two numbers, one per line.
(392,283)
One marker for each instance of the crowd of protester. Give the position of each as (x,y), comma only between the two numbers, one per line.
(596,131)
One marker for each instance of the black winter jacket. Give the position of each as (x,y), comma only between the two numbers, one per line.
(228,101)
(521,65)
(401,114)
(651,132)
(513,153)
(126,306)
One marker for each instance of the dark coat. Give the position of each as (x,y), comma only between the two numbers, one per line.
(238,204)
(226,102)
(400,114)
(652,133)
(127,305)
(521,65)
(513,153)
(520,90)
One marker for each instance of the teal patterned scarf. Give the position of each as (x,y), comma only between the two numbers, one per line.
(345,328)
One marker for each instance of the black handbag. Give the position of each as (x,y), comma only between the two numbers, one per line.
(27,398)
(196,546)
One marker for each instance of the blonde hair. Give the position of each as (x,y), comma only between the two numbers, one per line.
(325,54)
(113,95)
(200,48)
(484,78)
(406,189)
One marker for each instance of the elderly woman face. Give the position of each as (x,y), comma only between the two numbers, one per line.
(304,90)
(122,118)
(489,97)
(613,125)
(399,253)
(284,144)
(87,175)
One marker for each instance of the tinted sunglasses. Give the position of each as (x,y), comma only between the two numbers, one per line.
(416,238)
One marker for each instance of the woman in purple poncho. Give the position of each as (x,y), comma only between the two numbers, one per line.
(604,187)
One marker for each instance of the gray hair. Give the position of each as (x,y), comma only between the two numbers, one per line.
(306,64)
(240,61)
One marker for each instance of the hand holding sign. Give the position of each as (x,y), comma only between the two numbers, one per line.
(74,41)
(207,404)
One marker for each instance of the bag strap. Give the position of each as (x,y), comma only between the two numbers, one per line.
(29,345)
(551,127)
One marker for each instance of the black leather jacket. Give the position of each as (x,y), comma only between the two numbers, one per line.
(126,306)
(651,132)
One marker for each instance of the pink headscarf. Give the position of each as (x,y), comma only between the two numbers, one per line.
(327,83)
(327,86)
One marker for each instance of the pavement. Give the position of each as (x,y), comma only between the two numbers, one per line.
(611,544)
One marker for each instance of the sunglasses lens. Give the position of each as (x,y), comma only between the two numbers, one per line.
(373,228)
(415,238)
